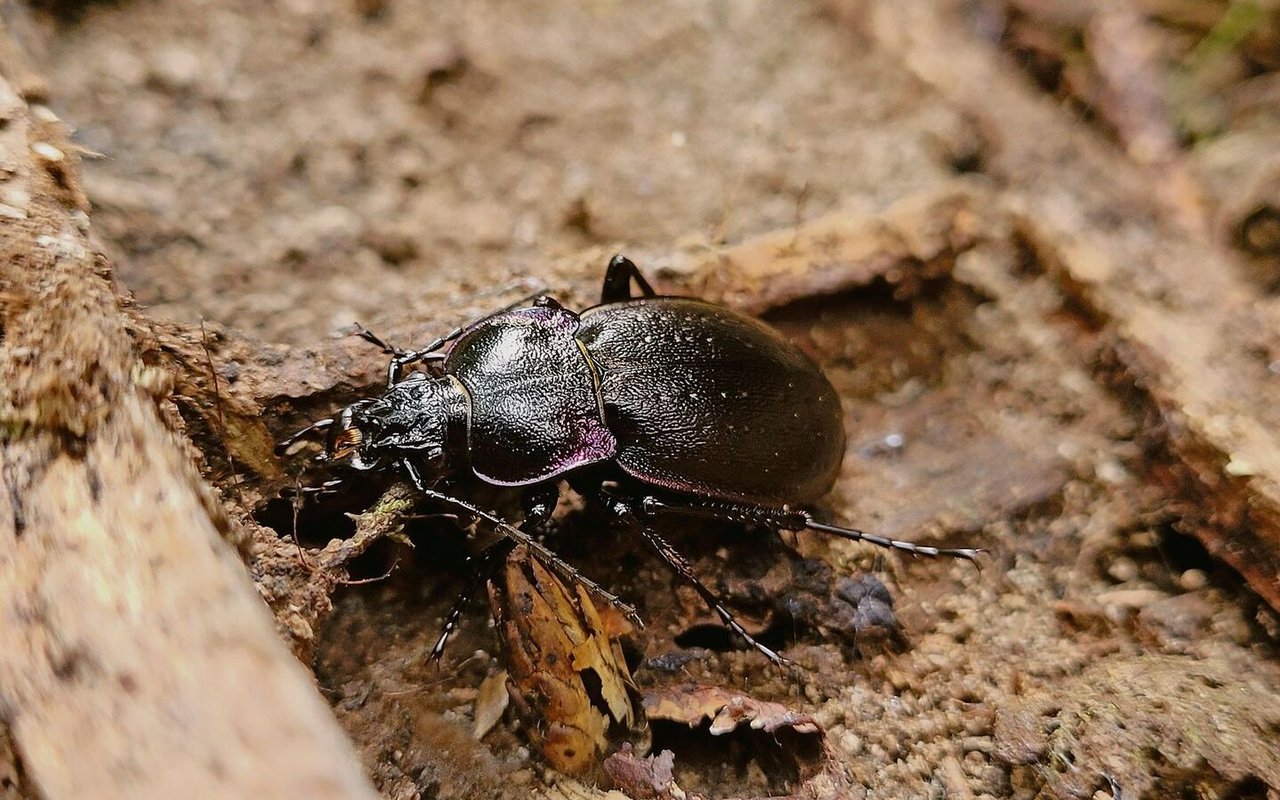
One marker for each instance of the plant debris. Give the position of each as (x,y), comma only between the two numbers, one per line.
(726,709)
(564,661)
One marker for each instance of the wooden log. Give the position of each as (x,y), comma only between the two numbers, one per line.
(136,661)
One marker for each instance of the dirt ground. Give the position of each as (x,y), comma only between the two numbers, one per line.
(282,170)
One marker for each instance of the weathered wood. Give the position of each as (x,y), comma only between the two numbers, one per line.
(1195,337)
(135,659)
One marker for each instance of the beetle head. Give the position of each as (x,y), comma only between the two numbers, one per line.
(410,421)
(350,433)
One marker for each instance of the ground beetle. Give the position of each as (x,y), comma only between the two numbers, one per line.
(650,405)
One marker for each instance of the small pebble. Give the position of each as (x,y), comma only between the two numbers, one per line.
(1122,569)
(1193,579)
(47,152)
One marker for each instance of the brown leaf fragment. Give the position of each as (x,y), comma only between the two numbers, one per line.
(491,702)
(565,663)
(726,709)
(653,777)
(648,778)
(569,789)
(766,749)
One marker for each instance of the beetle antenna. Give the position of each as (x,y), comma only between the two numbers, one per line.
(318,425)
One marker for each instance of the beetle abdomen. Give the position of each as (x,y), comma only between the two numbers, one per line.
(706,401)
(534,397)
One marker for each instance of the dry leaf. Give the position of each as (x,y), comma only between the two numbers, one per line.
(554,638)
(569,789)
(648,778)
(491,702)
(726,709)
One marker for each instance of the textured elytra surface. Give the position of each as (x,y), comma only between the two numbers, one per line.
(289,169)
(709,402)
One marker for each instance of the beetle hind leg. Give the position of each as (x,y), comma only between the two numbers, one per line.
(685,570)
(855,535)
(622,509)
(795,520)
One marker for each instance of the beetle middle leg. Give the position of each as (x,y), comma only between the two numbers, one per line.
(617,281)
(550,559)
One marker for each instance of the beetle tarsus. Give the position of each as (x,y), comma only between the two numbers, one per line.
(452,618)
(378,341)
(852,534)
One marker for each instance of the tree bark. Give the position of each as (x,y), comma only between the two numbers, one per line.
(136,660)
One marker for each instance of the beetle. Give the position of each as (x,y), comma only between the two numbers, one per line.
(651,405)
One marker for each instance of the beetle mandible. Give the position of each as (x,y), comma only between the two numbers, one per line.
(651,405)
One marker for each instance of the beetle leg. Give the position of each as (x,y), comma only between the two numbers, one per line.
(794,520)
(481,567)
(855,535)
(318,425)
(378,341)
(622,509)
(685,570)
(328,487)
(617,281)
(544,553)
(402,358)
(539,504)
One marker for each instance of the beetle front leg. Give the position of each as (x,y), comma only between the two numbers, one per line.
(617,281)
(623,510)
(403,358)
(482,565)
